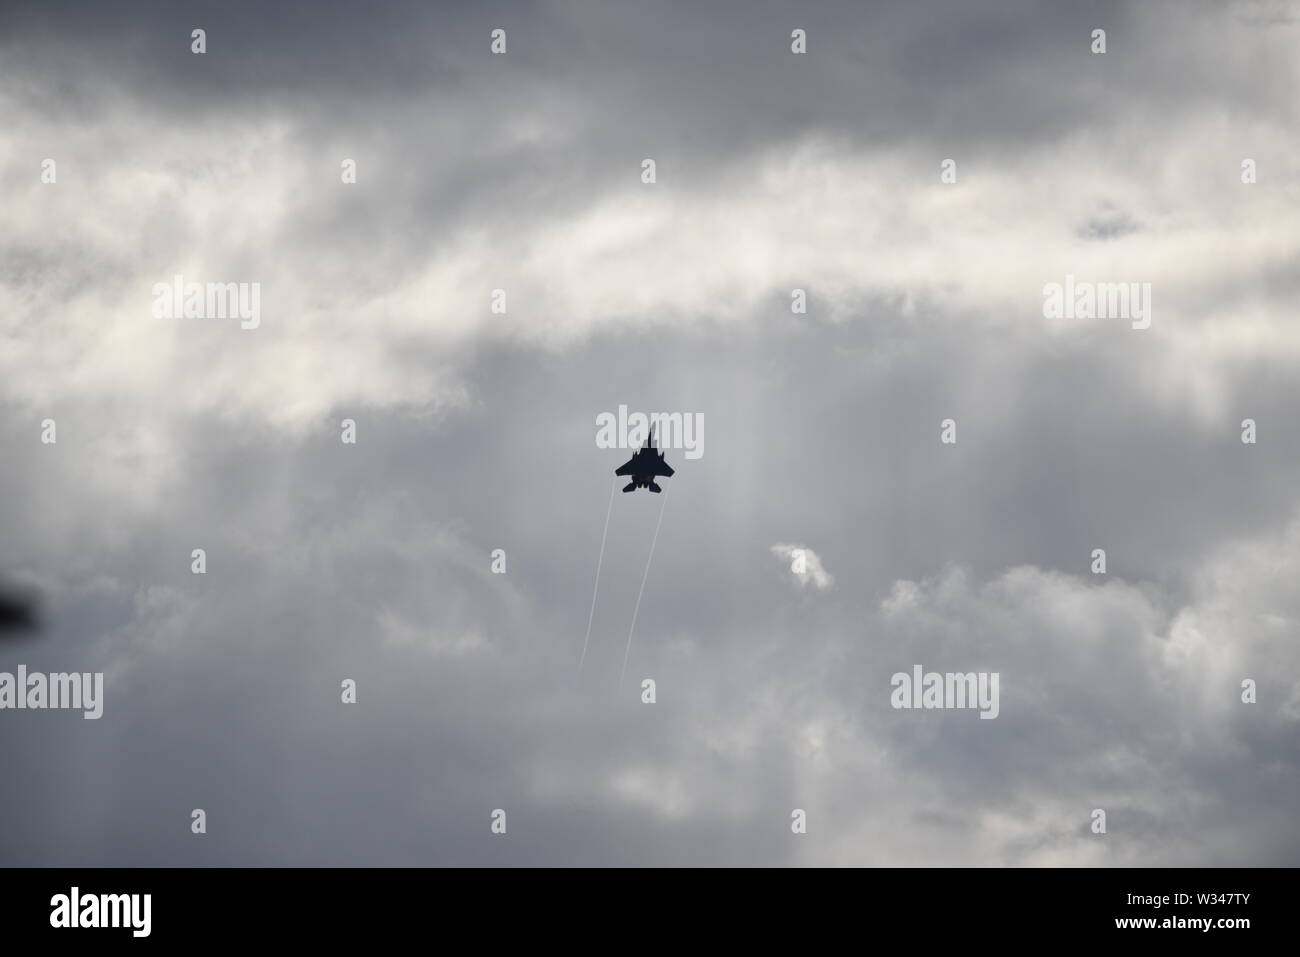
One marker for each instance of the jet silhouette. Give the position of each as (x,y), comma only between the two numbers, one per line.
(644,466)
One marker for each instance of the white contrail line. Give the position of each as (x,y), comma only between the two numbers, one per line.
(649,558)
(595,589)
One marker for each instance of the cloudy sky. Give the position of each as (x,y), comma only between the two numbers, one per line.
(775,171)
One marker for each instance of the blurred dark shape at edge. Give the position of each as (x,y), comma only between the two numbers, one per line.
(19,612)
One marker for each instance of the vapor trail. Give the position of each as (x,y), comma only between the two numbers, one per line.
(596,588)
(636,609)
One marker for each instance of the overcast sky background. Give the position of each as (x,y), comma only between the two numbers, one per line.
(476,431)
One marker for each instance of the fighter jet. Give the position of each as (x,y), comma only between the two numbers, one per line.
(644,466)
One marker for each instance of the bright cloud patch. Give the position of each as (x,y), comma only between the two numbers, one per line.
(805,565)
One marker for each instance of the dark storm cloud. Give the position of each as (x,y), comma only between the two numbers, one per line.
(976,76)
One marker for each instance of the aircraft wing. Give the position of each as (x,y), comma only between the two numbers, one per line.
(663,468)
(626,467)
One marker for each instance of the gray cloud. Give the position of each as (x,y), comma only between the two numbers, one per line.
(476,432)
